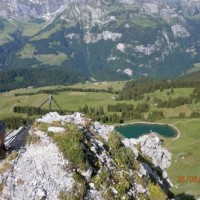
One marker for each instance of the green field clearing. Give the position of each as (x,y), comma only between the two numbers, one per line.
(6,33)
(5,38)
(45,35)
(185,155)
(6,104)
(28,90)
(145,22)
(116,85)
(52,59)
(194,69)
(28,51)
(70,100)
(178,92)
(30,29)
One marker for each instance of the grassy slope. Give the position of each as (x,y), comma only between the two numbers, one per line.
(30,29)
(194,76)
(188,146)
(75,100)
(52,59)
(116,85)
(8,30)
(49,59)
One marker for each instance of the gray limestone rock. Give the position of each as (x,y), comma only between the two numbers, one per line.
(142,170)
(164,175)
(97,125)
(41,193)
(140,189)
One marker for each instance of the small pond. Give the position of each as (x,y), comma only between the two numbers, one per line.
(139,129)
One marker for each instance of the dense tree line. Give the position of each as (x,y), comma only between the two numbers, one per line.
(196,94)
(58,90)
(123,107)
(155,115)
(172,103)
(16,122)
(98,114)
(136,89)
(129,111)
(179,101)
(30,110)
(192,77)
(116,113)
(195,115)
(37,77)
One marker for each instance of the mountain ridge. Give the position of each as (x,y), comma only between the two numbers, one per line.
(94,161)
(105,40)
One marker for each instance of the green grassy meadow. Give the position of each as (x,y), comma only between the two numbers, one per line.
(71,100)
(185,156)
(185,150)
(115,85)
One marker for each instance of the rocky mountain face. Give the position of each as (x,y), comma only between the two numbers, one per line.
(32,8)
(72,157)
(115,39)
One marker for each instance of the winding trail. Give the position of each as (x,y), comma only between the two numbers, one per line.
(25,98)
(11,109)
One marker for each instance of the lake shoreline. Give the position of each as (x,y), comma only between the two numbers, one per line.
(177,136)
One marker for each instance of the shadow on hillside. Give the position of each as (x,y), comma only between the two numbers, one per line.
(20,140)
(184,196)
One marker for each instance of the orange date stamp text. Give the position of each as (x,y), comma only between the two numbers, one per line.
(188,179)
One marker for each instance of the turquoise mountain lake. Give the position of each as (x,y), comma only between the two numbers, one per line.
(139,129)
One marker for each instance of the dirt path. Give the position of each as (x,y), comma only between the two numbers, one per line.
(25,99)
(11,109)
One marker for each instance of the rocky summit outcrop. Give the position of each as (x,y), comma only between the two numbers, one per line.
(72,157)
(150,146)
(38,171)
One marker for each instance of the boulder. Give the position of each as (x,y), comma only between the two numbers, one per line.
(140,189)
(56,129)
(164,175)
(41,193)
(151,147)
(131,143)
(142,170)
(96,125)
